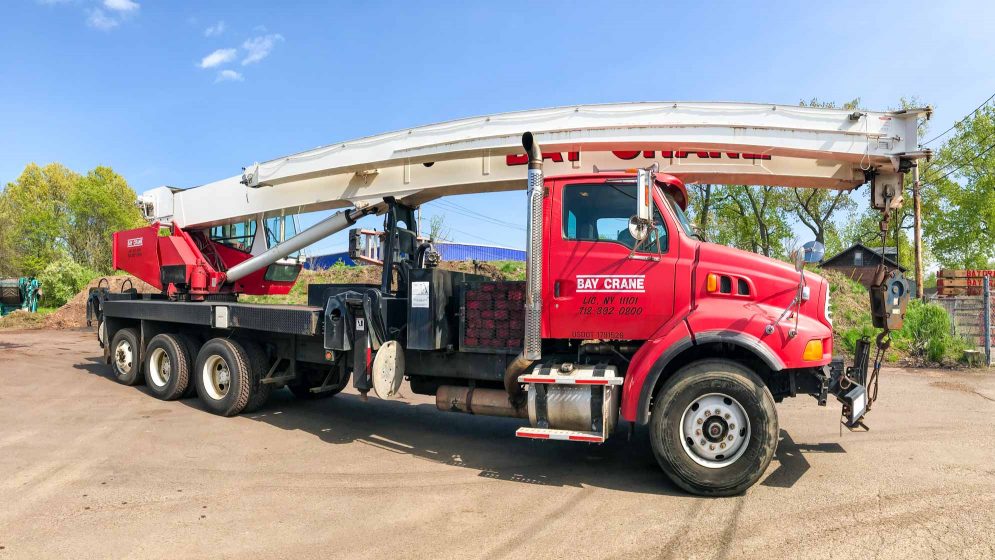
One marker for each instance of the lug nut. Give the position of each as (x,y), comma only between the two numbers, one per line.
(697,432)
(732,426)
(712,447)
(722,445)
(727,416)
(730,437)
(708,413)
(699,421)
(702,442)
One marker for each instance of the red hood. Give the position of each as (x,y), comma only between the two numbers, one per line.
(776,281)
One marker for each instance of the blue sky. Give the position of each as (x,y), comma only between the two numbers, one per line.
(183,93)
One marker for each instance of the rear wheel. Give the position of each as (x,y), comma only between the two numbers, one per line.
(167,366)
(126,357)
(222,376)
(192,344)
(258,367)
(714,428)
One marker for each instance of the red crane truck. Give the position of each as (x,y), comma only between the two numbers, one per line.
(626,313)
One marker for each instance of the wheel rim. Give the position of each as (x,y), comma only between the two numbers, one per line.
(160,368)
(715,430)
(217,377)
(124,356)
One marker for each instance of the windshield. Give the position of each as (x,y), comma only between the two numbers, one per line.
(682,218)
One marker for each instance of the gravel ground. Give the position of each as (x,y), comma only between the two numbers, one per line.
(93,469)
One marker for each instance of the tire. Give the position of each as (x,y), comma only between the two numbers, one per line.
(222,376)
(720,458)
(167,366)
(126,357)
(258,366)
(193,345)
(312,376)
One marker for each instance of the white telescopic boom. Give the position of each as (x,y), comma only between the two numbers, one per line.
(707,142)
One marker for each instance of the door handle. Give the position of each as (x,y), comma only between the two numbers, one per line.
(556,289)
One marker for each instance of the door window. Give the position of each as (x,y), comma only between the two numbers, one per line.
(601,212)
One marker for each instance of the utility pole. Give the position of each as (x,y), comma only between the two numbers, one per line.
(917,229)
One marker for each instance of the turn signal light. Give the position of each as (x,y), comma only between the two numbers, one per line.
(712,284)
(813,351)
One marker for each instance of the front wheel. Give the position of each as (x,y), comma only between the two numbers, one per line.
(714,428)
(126,356)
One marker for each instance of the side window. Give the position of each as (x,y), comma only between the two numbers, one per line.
(601,212)
(279,229)
(237,236)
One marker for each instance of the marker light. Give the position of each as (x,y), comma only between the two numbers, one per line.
(813,351)
(712,284)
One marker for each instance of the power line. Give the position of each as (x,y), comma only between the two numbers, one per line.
(950,164)
(491,241)
(948,173)
(933,139)
(458,208)
(477,216)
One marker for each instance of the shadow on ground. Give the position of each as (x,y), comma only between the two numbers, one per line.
(488,444)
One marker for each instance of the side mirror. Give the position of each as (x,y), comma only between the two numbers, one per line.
(638,229)
(810,253)
(644,179)
(813,252)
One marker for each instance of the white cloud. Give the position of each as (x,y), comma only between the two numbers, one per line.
(99,20)
(259,48)
(229,76)
(121,5)
(215,30)
(218,57)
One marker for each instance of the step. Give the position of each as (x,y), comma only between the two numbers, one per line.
(561,435)
(570,379)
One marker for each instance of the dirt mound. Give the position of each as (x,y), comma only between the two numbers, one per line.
(21,319)
(73,313)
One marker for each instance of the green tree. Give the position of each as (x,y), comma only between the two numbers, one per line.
(51,212)
(100,202)
(959,195)
(7,267)
(35,216)
(753,218)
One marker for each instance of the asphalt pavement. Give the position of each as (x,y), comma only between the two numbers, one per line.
(93,469)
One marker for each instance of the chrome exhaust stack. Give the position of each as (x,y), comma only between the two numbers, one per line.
(533,252)
(532,349)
